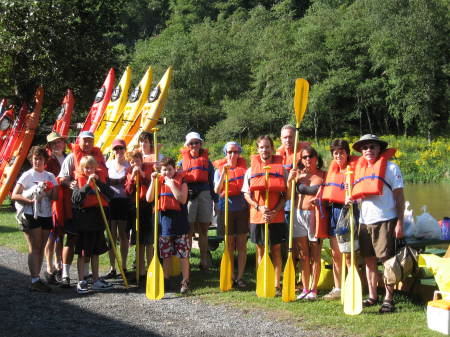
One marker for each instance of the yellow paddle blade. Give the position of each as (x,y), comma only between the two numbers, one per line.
(288,293)
(300,99)
(265,278)
(353,293)
(343,271)
(155,280)
(225,272)
(175,268)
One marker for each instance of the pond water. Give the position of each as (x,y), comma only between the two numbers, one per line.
(435,196)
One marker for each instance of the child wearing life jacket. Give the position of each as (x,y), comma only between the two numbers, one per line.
(89,222)
(146,220)
(173,219)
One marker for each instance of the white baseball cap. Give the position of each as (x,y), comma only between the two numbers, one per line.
(192,135)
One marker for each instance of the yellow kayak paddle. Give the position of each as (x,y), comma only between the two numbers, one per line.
(225,264)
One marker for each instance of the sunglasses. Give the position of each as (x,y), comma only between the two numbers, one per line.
(231,152)
(194,143)
(310,156)
(117,148)
(368,147)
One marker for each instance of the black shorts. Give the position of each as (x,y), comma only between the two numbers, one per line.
(146,224)
(119,208)
(91,243)
(277,233)
(45,223)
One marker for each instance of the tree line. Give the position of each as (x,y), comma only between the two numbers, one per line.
(374,66)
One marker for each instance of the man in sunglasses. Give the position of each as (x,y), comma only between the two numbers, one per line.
(199,175)
(379,186)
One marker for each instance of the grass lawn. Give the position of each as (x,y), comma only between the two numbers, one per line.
(409,320)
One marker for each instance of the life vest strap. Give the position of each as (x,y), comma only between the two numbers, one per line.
(373,176)
(166,195)
(197,168)
(263,174)
(341,186)
(235,178)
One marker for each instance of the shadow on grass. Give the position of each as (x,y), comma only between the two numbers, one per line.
(8,229)
(7,208)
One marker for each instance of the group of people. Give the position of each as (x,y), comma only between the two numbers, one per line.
(190,191)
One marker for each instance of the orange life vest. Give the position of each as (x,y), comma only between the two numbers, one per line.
(235,176)
(195,169)
(143,187)
(102,170)
(166,198)
(258,187)
(91,197)
(289,157)
(370,180)
(334,187)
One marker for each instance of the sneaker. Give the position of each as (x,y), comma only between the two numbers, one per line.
(240,284)
(82,287)
(303,294)
(278,292)
(334,294)
(312,295)
(65,282)
(112,274)
(40,286)
(58,275)
(89,279)
(101,285)
(50,278)
(184,287)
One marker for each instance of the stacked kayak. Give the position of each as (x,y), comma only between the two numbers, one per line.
(62,124)
(6,121)
(21,145)
(113,111)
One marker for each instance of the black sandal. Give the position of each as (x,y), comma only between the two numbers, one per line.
(387,307)
(369,302)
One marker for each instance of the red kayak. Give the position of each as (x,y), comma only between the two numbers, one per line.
(62,124)
(6,122)
(101,100)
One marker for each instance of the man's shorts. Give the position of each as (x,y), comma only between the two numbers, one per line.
(177,245)
(201,208)
(277,233)
(305,224)
(378,239)
(237,222)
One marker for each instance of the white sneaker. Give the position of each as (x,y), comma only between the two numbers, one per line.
(334,294)
(303,294)
(312,295)
(101,285)
(82,287)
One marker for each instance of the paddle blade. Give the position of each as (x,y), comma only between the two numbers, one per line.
(225,272)
(175,267)
(353,293)
(288,293)
(265,278)
(343,271)
(155,280)
(300,99)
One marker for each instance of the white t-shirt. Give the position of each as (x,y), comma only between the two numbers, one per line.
(29,179)
(378,208)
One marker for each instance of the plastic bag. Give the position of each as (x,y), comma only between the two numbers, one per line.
(343,231)
(409,225)
(401,265)
(427,227)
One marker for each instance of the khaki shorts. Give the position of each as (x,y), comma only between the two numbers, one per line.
(237,222)
(201,208)
(378,239)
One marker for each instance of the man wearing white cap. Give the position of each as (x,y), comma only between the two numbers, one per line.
(199,175)
(84,147)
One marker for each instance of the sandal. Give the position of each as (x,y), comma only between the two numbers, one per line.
(369,302)
(241,284)
(387,307)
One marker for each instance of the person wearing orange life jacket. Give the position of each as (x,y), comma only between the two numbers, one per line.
(334,193)
(174,239)
(66,176)
(199,175)
(238,227)
(308,177)
(378,183)
(146,219)
(254,188)
(56,146)
(88,220)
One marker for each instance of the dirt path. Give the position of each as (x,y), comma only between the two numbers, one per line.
(64,313)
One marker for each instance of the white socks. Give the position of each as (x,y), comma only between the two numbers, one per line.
(65,270)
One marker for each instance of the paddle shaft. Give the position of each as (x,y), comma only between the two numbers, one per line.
(113,244)
(155,239)
(226,210)
(266,226)
(137,230)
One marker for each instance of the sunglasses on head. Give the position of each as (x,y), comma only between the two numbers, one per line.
(235,152)
(194,143)
(310,156)
(117,148)
(368,147)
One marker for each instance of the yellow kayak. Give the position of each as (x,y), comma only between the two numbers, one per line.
(113,110)
(131,111)
(152,109)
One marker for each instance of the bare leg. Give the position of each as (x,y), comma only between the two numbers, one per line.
(203,243)
(49,253)
(112,258)
(185,268)
(166,267)
(337,261)
(241,244)
(149,253)
(275,251)
(80,267)
(231,248)
(94,267)
(305,262)
(58,251)
(123,236)
(315,248)
(68,250)
(372,276)
(259,253)
(36,244)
